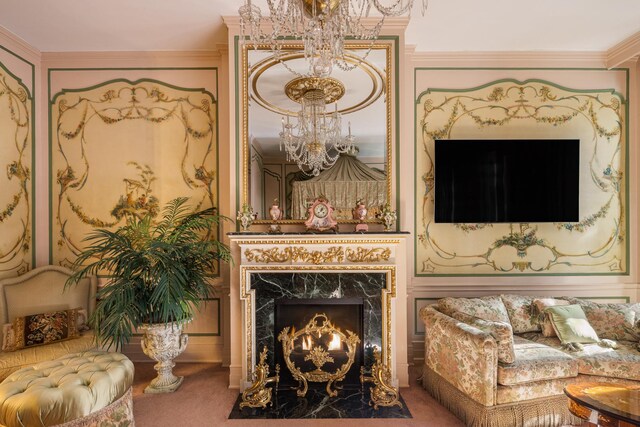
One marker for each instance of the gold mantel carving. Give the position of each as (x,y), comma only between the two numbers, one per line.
(317,257)
(382,393)
(368,255)
(258,395)
(318,326)
(295,254)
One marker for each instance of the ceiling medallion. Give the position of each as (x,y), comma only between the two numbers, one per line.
(264,74)
(328,88)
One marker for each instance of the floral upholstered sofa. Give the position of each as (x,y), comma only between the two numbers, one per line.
(487,360)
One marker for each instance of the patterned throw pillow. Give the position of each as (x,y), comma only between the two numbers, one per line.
(522,313)
(500,331)
(7,337)
(610,321)
(44,328)
(545,322)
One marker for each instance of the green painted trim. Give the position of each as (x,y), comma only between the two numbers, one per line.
(625,101)
(31,95)
(51,102)
(415,314)
(50,146)
(626,177)
(135,82)
(521,83)
(396,42)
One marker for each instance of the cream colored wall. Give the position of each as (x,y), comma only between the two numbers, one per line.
(20,64)
(421,290)
(461,71)
(68,71)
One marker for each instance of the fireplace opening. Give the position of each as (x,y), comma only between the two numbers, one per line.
(319,353)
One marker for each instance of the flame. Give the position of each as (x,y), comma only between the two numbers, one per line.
(335,343)
(307,342)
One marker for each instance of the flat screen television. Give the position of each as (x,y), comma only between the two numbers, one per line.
(503,180)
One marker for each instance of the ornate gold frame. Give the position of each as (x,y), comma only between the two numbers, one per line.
(318,355)
(248,296)
(244,136)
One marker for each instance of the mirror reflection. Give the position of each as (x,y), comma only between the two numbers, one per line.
(309,137)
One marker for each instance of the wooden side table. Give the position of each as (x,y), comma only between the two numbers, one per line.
(605,404)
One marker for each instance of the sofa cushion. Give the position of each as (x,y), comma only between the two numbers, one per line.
(522,314)
(623,362)
(540,305)
(593,359)
(500,331)
(488,308)
(611,321)
(571,324)
(536,362)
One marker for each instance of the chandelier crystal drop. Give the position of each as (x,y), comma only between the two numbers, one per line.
(316,141)
(322,25)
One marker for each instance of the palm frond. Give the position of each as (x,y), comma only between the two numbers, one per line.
(158,273)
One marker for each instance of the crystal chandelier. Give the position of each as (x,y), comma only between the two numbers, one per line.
(315,142)
(322,25)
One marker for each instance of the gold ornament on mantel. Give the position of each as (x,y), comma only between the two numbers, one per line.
(382,393)
(318,326)
(258,395)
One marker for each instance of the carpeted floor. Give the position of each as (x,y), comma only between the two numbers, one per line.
(204,400)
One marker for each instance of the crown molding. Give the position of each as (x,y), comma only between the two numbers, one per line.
(19,43)
(390,24)
(155,55)
(548,58)
(627,49)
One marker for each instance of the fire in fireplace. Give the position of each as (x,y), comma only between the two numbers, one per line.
(320,342)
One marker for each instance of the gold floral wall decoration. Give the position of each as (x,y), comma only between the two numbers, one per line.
(509,109)
(125,148)
(16,140)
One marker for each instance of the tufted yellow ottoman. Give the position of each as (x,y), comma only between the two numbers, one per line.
(91,388)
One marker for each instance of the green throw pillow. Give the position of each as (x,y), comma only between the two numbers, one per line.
(571,324)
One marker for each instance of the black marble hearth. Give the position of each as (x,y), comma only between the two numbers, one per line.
(270,287)
(316,404)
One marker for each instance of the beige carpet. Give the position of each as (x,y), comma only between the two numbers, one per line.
(204,400)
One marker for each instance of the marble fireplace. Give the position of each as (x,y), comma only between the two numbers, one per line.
(318,272)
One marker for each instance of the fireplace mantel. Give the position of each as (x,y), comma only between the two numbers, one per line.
(364,253)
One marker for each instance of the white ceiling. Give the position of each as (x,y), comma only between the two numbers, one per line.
(449,25)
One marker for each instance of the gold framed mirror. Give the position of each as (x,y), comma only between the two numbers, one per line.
(270,93)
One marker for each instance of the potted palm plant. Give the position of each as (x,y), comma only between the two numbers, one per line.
(157,277)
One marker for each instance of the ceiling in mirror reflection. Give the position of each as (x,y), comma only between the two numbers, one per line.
(362,105)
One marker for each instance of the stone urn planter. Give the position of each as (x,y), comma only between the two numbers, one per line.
(163,342)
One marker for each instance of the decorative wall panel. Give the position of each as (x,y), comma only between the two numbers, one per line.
(127,147)
(16,183)
(509,109)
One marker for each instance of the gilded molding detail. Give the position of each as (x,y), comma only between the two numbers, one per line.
(295,254)
(318,355)
(388,92)
(368,255)
(318,242)
(248,297)
(595,244)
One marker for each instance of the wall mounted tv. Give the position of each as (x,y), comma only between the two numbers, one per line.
(504,180)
